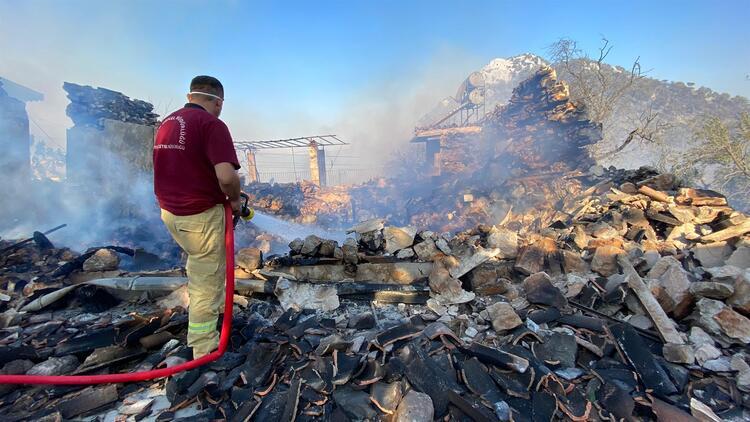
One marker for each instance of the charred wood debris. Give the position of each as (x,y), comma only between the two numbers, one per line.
(530,156)
(635,306)
(601,295)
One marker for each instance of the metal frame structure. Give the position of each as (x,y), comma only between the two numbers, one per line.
(464,120)
(316,146)
(473,114)
(305,141)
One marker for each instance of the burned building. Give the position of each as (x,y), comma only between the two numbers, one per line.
(450,142)
(559,324)
(526,156)
(574,294)
(15,140)
(540,129)
(112,137)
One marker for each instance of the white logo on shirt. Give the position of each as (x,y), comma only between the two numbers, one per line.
(181,139)
(181,120)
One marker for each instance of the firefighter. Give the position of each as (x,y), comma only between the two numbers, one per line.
(195,173)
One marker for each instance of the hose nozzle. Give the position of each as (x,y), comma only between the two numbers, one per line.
(246,213)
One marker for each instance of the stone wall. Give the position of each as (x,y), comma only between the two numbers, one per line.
(541,129)
(89,106)
(114,154)
(112,139)
(14,140)
(109,150)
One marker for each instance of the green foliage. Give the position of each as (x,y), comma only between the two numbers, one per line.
(726,148)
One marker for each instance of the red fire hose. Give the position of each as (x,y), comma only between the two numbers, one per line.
(226,329)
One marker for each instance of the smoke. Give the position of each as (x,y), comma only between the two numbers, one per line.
(109,204)
(47,119)
(380,120)
(288,231)
(109,201)
(377,118)
(116,206)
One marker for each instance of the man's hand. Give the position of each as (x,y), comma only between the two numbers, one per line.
(236,205)
(229,182)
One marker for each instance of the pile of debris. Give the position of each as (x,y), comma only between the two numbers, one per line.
(531,154)
(276,198)
(303,202)
(540,104)
(89,105)
(643,285)
(632,304)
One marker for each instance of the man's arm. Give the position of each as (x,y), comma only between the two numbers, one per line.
(221,153)
(229,182)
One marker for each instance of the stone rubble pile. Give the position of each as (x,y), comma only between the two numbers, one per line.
(530,155)
(640,266)
(89,105)
(633,304)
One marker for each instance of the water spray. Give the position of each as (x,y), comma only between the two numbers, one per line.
(289,231)
(286,230)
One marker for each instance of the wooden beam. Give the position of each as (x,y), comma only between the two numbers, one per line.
(654,194)
(436,133)
(728,233)
(662,322)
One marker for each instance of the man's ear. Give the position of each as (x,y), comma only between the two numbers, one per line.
(189,97)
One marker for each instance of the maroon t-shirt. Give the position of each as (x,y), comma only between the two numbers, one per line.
(189,143)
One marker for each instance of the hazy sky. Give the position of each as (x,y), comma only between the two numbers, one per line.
(364,70)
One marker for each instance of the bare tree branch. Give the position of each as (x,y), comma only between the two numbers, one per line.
(594,85)
(600,87)
(649,128)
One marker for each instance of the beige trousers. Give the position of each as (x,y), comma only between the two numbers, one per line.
(201,236)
